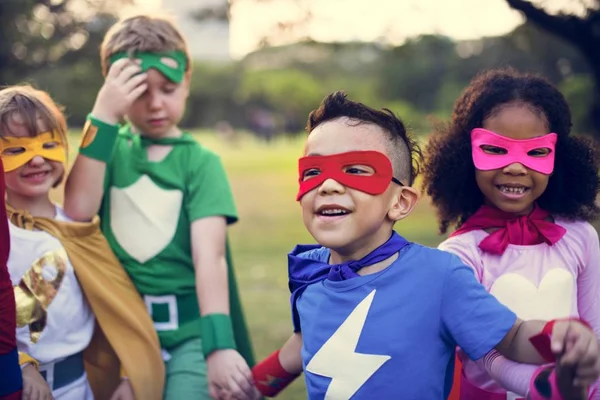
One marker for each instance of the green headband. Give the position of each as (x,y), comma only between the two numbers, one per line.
(155,60)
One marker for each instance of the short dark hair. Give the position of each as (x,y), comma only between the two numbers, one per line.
(449,173)
(404,151)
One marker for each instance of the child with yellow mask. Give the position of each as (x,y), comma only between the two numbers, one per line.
(82,329)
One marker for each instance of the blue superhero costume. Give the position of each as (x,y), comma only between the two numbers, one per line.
(391,334)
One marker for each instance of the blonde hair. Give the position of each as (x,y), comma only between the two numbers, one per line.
(32,105)
(142,33)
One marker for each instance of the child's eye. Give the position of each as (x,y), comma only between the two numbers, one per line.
(541,152)
(310,173)
(50,145)
(168,89)
(13,151)
(487,149)
(358,170)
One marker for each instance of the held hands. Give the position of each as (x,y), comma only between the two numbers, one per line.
(123,85)
(229,377)
(35,386)
(565,380)
(577,352)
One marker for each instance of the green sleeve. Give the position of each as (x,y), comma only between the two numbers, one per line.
(208,190)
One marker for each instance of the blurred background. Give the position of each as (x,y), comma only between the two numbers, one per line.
(261,65)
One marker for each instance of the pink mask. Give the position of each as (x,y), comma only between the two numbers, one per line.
(536,154)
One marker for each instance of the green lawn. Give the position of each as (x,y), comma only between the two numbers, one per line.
(264,182)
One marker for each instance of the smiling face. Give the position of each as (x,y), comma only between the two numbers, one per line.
(348,221)
(515,187)
(36,177)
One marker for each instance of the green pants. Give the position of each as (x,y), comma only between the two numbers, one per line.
(186,372)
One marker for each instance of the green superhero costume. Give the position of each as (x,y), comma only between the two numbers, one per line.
(146,213)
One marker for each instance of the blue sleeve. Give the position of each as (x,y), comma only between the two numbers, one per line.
(471,317)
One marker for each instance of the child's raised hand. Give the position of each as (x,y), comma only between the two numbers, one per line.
(229,377)
(123,85)
(35,386)
(576,346)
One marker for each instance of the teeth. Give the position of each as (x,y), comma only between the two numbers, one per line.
(333,211)
(510,189)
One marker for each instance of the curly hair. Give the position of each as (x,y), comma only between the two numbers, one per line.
(405,153)
(449,173)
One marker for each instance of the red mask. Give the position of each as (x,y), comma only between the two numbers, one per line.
(314,170)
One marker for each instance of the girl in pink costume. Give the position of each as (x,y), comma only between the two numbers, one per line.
(521,192)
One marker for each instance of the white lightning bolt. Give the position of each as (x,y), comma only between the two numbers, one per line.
(337,358)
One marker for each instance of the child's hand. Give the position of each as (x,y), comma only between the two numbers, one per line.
(229,376)
(35,386)
(576,346)
(565,379)
(124,391)
(123,85)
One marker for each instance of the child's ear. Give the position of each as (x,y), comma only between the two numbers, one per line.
(405,199)
(187,81)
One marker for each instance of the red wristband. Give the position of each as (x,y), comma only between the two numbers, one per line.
(542,341)
(269,376)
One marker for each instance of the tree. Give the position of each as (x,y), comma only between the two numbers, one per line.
(583,32)
(37,34)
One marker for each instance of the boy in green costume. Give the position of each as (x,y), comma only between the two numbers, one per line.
(164,202)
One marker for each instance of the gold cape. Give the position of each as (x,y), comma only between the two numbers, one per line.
(124,336)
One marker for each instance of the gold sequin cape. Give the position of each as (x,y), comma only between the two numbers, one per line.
(124,337)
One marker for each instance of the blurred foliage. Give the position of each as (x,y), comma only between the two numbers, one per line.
(273,89)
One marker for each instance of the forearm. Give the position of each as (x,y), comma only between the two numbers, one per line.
(84,189)
(211,284)
(512,376)
(516,345)
(289,355)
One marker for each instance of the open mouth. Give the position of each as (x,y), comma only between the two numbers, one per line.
(333,212)
(36,175)
(512,189)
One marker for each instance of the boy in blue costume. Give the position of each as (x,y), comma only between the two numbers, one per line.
(376,316)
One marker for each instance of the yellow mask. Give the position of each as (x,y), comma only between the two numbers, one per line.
(18,151)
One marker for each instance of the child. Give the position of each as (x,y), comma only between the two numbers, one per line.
(57,337)
(12,382)
(376,316)
(164,205)
(521,192)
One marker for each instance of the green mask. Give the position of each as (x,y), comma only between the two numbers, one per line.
(173,69)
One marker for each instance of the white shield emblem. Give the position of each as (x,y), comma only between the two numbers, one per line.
(143,217)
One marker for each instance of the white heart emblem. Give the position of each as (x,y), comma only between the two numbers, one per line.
(550,300)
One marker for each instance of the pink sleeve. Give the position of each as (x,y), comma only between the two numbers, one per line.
(588,280)
(512,376)
(465,247)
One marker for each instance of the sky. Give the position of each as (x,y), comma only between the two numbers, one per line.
(390,21)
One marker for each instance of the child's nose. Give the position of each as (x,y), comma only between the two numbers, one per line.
(515,168)
(36,160)
(154,102)
(331,186)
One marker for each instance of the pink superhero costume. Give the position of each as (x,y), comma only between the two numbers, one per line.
(536,282)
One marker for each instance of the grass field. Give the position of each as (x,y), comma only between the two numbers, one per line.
(264,182)
(263,178)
